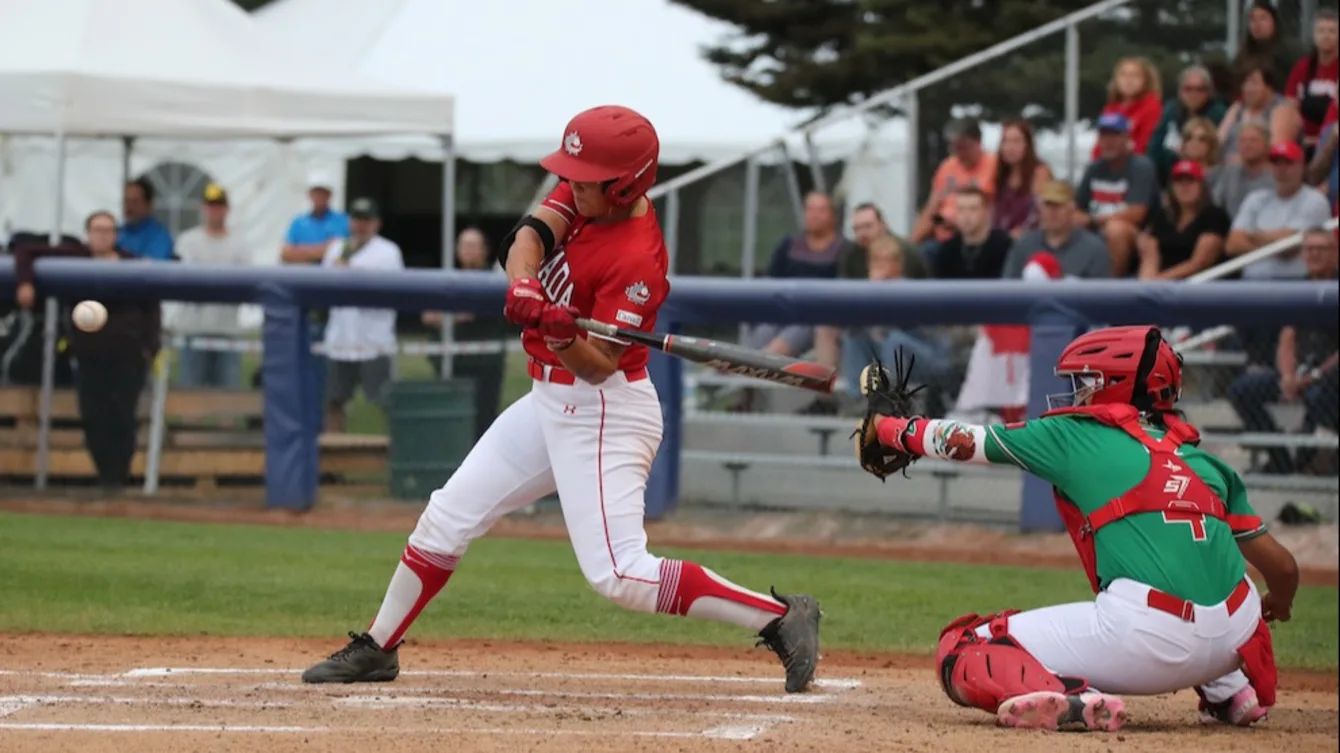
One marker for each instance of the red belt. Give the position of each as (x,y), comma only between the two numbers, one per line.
(1186,610)
(559,375)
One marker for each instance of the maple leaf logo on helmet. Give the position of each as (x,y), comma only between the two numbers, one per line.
(572,144)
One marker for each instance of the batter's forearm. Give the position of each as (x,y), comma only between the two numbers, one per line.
(523,260)
(587,361)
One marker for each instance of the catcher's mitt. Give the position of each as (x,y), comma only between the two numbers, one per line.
(886,395)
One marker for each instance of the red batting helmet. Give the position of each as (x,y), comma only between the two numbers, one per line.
(1123,365)
(611,145)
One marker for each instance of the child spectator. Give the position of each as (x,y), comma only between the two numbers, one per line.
(1135,92)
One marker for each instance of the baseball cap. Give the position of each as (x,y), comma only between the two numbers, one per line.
(214,194)
(364,208)
(1114,122)
(1188,169)
(320,180)
(1286,151)
(1057,192)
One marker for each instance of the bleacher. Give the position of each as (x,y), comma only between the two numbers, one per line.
(212,437)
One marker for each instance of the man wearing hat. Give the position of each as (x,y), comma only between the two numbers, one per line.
(1268,215)
(1080,253)
(310,233)
(1116,192)
(212,243)
(359,343)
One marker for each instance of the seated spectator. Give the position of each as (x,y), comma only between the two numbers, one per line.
(1231,183)
(1200,144)
(360,343)
(141,233)
(1136,93)
(931,351)
(1314,83)
(1019,175)
(1195,101)
(110,364)
(818,252)
(967,165)
(868,224)
(1264,42)
(1268,216)
(977,250)
(1305,366)
(1116,192)
(1261,101)
(1187,232)
(214,244)
(1080,253)
(1324,169)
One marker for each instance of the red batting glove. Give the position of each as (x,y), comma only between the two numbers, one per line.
(902,434)
(558,324)
(525,302)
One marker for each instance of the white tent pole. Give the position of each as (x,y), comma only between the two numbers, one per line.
(448,235)
(52,311)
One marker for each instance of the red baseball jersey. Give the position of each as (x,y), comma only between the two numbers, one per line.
(612,272)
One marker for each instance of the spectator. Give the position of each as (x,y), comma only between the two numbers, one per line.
(977,250)
(1314,82)
(1135,92)
(311,233)
(1305,366)
(1019,175)
(360,343)
(1200,144)
(1187,231)
(111,363)
(142,234)
(1116,192)
(214,244)
(1080,253)
(967,165)
(1265,43)
(1324,169)
(1268,216)
(867,224)
(1231,183)
(1195,100)
(1260,101)
(485,369)
(931,350)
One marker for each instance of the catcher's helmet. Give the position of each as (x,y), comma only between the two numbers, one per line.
(611,145)
(1123,365)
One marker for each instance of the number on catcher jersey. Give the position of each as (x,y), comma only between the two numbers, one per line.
(1195,520)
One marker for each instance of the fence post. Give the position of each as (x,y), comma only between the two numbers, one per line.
(1051,329)
(667,373)
(292,403)
(1071,101)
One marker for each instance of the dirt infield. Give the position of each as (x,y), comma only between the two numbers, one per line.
(97,695)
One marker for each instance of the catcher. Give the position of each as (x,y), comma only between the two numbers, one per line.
(1162,529)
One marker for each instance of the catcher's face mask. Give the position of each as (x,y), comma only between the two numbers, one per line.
(1082,387)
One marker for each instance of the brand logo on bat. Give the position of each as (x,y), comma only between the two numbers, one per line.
(757,372)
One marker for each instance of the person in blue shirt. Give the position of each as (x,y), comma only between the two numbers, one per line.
(141,233)
(310,233)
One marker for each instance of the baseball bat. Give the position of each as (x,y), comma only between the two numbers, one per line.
(732,359)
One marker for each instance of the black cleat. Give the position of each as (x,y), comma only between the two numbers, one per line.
(360,661)
(794,637)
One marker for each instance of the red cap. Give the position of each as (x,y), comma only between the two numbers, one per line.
(1188,169)
(1286,150)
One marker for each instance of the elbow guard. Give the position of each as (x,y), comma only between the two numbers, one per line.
(546,234)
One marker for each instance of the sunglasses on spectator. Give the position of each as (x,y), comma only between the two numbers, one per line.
(1195,87)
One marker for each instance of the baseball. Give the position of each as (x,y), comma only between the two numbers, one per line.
(89,316)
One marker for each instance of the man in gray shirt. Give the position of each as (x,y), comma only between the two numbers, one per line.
(213,243)
(1081,253)
(1116,192)
(1267,216)
(1230,184)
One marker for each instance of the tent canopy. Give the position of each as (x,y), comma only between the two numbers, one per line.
(185,69)
(520,69)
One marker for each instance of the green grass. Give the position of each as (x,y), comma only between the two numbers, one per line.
(92,575)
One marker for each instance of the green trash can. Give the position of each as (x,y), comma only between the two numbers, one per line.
(432,427)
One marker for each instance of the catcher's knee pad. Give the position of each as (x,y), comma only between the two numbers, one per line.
(984,672)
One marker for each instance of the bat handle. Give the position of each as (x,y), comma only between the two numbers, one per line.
(600,328)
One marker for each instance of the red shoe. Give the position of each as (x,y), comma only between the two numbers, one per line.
(1242,710)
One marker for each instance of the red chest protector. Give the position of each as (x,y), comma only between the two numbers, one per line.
(1170,488)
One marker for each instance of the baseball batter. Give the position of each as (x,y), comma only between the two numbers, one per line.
(591,424)
(1162,529)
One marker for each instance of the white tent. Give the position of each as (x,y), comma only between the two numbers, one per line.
(520,69)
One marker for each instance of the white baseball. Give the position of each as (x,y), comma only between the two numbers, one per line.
(89,316)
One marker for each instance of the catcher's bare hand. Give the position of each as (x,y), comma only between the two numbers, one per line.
(887,396)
